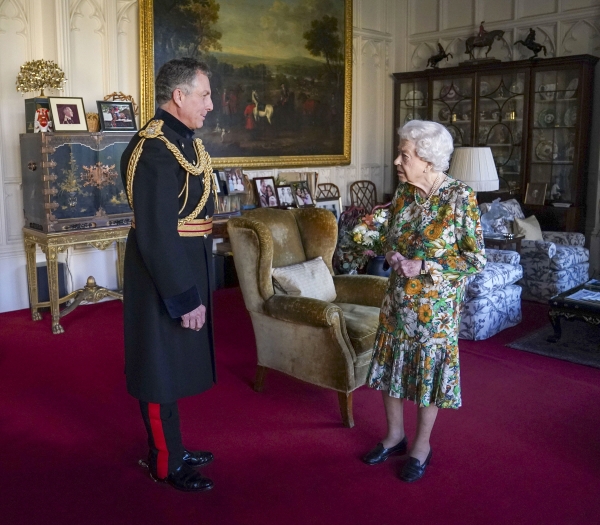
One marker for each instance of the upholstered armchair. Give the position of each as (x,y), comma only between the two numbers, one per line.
(492,299)
(550,266)
(328,344)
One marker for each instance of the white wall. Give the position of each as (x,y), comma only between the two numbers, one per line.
(96,43)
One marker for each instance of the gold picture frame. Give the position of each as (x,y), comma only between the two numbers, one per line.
(536,193)
(302,145)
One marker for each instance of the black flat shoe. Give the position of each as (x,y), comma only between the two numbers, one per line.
(379,454)
(197,458)
(185,478)
(413,470)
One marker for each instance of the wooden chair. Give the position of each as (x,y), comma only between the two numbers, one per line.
(363,193)
(327,190)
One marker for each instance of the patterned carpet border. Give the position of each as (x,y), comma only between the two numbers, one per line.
(580,343)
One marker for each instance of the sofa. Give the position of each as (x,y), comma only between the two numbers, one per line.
(492,298)
(550,266)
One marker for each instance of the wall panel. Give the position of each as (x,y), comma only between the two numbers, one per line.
(458,13)
(424,16)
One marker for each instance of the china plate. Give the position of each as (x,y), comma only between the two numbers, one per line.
(572,88)
(570,117)
(546,150)
(546,118)
(517,87)
(414,99)
(444,114)
(453,132)
(449,92)
(484,88)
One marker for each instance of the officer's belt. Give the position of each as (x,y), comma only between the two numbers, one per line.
(193,228)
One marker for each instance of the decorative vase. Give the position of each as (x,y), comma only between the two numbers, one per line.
(375,266)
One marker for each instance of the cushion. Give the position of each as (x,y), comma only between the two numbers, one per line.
(308,279)
(530,227)
(361,324)
(495,276)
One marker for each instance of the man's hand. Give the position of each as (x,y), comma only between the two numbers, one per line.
(194,319)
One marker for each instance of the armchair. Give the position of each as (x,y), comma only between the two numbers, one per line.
(492,299)
(326,344)
(551,266)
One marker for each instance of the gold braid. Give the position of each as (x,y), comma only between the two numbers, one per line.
(153,130)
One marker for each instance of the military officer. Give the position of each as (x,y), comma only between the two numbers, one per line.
(167,302)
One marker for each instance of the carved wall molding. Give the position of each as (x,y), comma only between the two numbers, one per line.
(76,13)
(20,10)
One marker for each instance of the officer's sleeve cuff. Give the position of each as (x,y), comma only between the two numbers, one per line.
(183,303)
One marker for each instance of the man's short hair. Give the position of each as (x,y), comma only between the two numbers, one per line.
(179,73)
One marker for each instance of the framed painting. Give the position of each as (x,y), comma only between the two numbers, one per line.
(116,115)
(281,75)
(68,113)
(536,193)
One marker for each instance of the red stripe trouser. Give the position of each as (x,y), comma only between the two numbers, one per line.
(164,437)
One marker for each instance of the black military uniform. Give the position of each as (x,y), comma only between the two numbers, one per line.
(167,274)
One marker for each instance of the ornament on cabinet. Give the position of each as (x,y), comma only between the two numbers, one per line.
(434,60)
(531,44)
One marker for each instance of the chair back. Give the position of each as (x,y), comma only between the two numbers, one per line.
(328,190)
(363,193)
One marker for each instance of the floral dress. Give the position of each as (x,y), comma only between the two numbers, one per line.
(416,346)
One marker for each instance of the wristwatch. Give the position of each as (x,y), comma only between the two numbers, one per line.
(423,269)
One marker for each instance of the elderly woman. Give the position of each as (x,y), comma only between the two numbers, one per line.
(434,241)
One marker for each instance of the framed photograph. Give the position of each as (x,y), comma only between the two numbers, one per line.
(265,190)
(281,76)
(285,196)
(302,194)
(68,113)
(333,205)
(116,115)
(218,182)
(235,180)
(536,193)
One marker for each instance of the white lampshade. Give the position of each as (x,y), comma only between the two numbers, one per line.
(475,167)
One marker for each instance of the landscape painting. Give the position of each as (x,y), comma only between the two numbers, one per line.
(281,75)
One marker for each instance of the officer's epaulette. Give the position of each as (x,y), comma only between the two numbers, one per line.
(152,130)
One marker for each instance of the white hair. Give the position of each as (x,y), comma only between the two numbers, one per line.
(433,143)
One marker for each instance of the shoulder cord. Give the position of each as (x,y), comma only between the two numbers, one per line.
(204,165)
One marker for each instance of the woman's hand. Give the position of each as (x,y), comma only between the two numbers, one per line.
(410,267)
(394,259)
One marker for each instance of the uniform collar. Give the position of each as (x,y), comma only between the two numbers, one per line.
(174,123)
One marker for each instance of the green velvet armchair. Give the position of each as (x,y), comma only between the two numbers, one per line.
(325,344)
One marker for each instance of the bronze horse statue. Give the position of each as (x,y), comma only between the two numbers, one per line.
(531,44)
(433,60)
(483,41)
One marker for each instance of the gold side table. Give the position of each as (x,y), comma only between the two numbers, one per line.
(54,243)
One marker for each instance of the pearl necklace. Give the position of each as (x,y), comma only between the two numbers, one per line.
(434,187)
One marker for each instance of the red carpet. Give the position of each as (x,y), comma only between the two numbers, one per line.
(524,449)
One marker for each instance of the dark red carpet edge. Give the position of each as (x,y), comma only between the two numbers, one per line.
(523,449)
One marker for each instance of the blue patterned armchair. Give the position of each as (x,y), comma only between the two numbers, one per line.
(492,299)
(551,266)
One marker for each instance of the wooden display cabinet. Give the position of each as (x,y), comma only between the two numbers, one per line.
(533,114)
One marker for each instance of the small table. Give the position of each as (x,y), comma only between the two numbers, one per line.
(562,306)
(503,242)
(53,243)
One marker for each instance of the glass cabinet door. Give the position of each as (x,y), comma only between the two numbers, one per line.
(553,141)
(413,101)
(500,124)
(452,106)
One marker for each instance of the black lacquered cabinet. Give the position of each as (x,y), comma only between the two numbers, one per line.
(535,115)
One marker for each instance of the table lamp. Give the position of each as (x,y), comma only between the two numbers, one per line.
(475,167)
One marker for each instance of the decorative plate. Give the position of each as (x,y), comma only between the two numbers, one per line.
(517,87)
(518,137)
(570,117)
(484,88)
(546,150)
(546,118)
(444,114)
(449,92)
(453,132)
(414,99)
(548,91)
(483,134)
(572,88)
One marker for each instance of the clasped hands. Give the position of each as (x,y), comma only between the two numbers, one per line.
(403,266)
(195,319)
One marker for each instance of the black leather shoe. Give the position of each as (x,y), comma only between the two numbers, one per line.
(379,454)
(187,479)
(413,470)
(197,458)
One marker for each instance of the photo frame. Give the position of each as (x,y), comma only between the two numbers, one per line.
(302,195)
(116,115)
(68,113)
(334,205)
(218,182)
(234,178)
(265,191)
(285,196)
(266,113)
(536,193)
